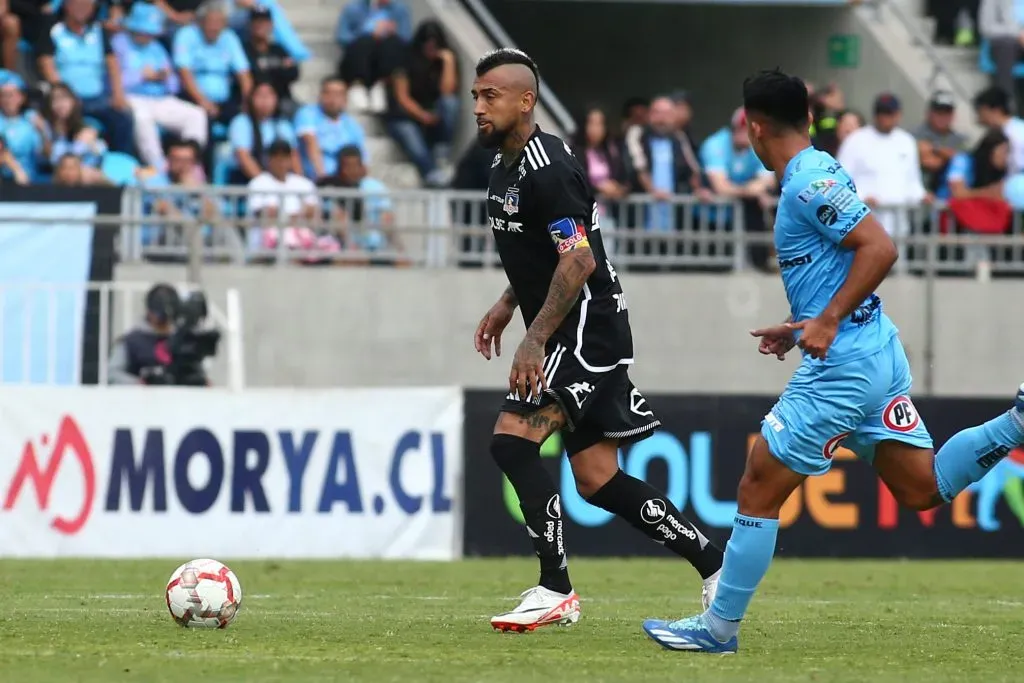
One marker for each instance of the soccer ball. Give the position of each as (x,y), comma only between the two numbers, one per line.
(203,594)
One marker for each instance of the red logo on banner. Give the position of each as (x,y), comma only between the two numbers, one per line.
(69,437)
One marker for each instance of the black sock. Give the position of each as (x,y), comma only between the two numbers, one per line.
(520,460)
(653,513)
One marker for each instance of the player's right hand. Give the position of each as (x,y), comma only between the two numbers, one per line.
(776,340)
(489,330)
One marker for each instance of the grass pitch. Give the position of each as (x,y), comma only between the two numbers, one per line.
(828,621)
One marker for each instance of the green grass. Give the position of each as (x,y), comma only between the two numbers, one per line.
(72,621)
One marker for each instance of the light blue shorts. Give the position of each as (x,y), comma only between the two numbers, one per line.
(856,405)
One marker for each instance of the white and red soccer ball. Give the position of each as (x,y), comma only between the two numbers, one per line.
(203,594)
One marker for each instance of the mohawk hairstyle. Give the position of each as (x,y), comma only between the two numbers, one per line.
(777,96)
(507,55)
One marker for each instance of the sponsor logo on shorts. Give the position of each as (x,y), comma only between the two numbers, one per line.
(901,415)
(774,422)
(832,445)
(653,511)
(554,507)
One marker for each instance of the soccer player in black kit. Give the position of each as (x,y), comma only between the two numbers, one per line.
(569,372)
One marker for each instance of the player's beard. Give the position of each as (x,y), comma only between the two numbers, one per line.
(494,139)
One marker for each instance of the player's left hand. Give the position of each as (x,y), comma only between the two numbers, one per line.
(527,375)
(817,335)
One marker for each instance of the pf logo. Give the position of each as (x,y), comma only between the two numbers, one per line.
(901,415)
(832,445)
(69,438)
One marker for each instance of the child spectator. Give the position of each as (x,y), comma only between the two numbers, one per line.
(253,132)
(423,108)
(67,134)
(372,211)
(324,128)
(151,85)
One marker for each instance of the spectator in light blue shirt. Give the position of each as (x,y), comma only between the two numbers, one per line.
(324,128)
(734,172)
(209,57)
(251,134)
(77,51)
(151,85)
(21,129)
(369,218)
(372,35)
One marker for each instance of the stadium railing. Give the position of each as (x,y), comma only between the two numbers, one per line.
(435,229)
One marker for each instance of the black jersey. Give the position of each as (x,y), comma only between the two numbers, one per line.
(540,207)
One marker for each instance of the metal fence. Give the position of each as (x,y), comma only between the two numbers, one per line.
(451,228)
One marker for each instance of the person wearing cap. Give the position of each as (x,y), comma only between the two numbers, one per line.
(937,142)
(151,85)
(77,51)
(883,162)
(23,130)
(269,61)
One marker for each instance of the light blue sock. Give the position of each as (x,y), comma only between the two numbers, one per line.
(969,455)
(747,557)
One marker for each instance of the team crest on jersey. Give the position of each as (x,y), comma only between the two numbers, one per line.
(511,203)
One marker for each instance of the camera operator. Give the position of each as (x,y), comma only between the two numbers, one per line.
(167,349)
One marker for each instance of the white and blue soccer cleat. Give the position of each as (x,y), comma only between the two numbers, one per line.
(690,635)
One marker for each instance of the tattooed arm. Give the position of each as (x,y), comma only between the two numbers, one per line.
(574,267)
(509,297)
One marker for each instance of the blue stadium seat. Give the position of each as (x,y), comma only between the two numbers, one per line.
(988,66)
(120,168)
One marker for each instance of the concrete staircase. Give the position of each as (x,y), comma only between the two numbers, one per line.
(315,21)
(902,29)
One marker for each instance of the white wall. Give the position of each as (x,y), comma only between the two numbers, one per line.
(382,327)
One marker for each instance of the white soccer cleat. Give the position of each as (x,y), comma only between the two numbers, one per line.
(539,607)
(707,592)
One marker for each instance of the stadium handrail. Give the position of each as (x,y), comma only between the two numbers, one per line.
(921,40)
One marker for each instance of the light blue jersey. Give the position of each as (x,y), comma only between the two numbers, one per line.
(859,395)
(819,200)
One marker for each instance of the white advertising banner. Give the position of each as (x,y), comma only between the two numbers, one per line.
(161,472)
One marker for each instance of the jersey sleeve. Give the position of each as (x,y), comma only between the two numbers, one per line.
(826,202)
(562,204)
(959,168)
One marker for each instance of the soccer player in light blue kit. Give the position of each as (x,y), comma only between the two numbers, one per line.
(853,383)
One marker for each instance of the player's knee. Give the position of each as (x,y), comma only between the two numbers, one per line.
(11,26)
(509,451)
(592,477)
(921,496)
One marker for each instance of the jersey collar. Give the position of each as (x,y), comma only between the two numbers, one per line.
(791,167)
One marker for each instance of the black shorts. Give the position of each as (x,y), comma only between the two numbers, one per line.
(596,405)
